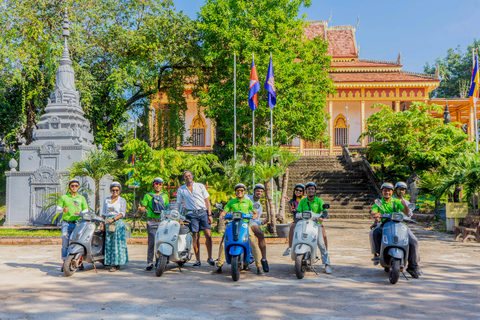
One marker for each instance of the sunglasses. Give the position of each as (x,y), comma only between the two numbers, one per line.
(74,186)
(299,190)
(157,183)
(115,190)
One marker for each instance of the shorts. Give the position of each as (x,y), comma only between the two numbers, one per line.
(198,221)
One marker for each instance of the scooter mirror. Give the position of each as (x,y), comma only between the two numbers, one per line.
(326,206)
(378,202)
(218,205)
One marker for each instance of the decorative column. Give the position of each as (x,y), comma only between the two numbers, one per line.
(330,125)
(397,106)
(362,120)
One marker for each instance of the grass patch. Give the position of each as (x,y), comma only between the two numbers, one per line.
(30,233)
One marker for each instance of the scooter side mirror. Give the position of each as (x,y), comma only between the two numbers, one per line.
(326,206)
(218,205)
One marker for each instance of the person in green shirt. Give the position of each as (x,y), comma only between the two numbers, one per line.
(315,204)
(245,205)
(153,203)
(71,204)
(390,205)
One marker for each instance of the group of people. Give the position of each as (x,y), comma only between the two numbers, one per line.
(193,198)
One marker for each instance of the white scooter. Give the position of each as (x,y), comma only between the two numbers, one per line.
(173,241)
(304,244)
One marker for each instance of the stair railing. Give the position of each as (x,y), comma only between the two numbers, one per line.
(362,164)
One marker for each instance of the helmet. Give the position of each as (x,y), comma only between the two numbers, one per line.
(158,179)
(401,184)
(73,180)
(386,185)
(311,184)
(301,186)
(259,186)
(116,184)
(240,185)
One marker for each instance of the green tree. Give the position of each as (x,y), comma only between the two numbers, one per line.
(301,66)
(413,140)
(96,165)
(124,52)
(266,171)
(455,70)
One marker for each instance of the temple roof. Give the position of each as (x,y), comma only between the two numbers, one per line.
(341,39)
(381,77)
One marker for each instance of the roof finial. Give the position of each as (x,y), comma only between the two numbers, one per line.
(330,17)
(65,33)
(446,114)
(358,22)
(399,58)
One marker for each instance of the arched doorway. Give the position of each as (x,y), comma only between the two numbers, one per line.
(198,129)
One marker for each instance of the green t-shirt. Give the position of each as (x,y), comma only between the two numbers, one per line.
(388,206)
(316,206)
(245,206)
(74,204)
(147,202)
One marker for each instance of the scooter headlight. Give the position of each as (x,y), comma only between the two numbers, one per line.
(237,215)
(306,215)
(397,217)
(174,215)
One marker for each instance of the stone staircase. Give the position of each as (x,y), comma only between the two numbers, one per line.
(348,191)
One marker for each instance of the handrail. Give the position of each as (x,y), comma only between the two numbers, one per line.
(361,163)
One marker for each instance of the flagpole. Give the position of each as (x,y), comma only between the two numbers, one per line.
(475,108)
(271,135)
(234,106)
(253,136)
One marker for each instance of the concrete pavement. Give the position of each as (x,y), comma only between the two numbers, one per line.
(32,287)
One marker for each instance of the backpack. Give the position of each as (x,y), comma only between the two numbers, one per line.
(158,204)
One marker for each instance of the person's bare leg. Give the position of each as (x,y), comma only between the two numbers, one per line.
(290,235)
(261,241)
(324,237)
(208,241)
(196,245)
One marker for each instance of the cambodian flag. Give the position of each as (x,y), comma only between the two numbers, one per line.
(254,88)
(270,86)
(474,85)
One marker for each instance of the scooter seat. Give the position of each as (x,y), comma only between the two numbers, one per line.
(184,230)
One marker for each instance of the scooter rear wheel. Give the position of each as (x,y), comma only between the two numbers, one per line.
(161,265)
(235,269)
(394,271)
(70,265)
(300,267)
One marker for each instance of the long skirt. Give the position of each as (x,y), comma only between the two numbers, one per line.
(116,253)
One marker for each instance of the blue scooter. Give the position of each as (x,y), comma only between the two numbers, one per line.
(237,247)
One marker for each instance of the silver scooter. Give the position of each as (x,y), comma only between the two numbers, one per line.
(304,243)
(87,244)
(394,248)
(173,241)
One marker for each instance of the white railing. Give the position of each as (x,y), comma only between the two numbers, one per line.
(320,152)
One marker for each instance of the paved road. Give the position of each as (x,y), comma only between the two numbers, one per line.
(32,287)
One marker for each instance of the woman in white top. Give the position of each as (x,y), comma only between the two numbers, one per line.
(114,210)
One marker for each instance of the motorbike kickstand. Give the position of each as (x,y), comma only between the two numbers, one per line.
(405,276)
(313,268)
(179,267)
(94,267)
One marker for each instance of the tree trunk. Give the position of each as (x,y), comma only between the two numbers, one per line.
(281,212)
(97,197)
(271,214)
(28,133)
(456,193)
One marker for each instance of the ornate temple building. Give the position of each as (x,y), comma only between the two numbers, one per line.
(360,84)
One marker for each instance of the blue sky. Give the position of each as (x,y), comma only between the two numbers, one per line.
(420,30)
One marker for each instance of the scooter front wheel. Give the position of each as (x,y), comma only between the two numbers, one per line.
(70,265)
(394,271)
(161,265)
(235,269)
(300,266)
